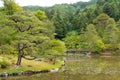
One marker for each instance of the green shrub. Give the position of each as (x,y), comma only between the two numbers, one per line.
(4,64)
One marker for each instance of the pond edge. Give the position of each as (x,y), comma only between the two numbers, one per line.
(30,72)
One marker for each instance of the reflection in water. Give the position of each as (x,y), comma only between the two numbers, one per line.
(83,69)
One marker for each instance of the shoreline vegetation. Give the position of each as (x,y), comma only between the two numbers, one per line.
(27,67)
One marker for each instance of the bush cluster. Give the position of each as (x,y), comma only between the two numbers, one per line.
(4,64)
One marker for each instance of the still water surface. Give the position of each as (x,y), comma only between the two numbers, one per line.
(98,68)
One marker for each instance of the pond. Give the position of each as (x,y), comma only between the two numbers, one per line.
(84,68)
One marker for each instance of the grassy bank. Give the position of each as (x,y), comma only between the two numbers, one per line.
(27,64)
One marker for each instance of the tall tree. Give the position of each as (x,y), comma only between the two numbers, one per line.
(101,22)
(60,25)
(90,40)
(110,34)
(10,7)
(30,34)
(27,33)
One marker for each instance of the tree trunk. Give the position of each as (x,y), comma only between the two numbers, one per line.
(19,56)
(19,60)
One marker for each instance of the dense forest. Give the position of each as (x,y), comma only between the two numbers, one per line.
(93,25)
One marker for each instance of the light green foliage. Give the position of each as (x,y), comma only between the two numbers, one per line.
(72,40)
(11,7)
(40,15)
(57,47)
(90,40)
(6,34)
(100,45)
